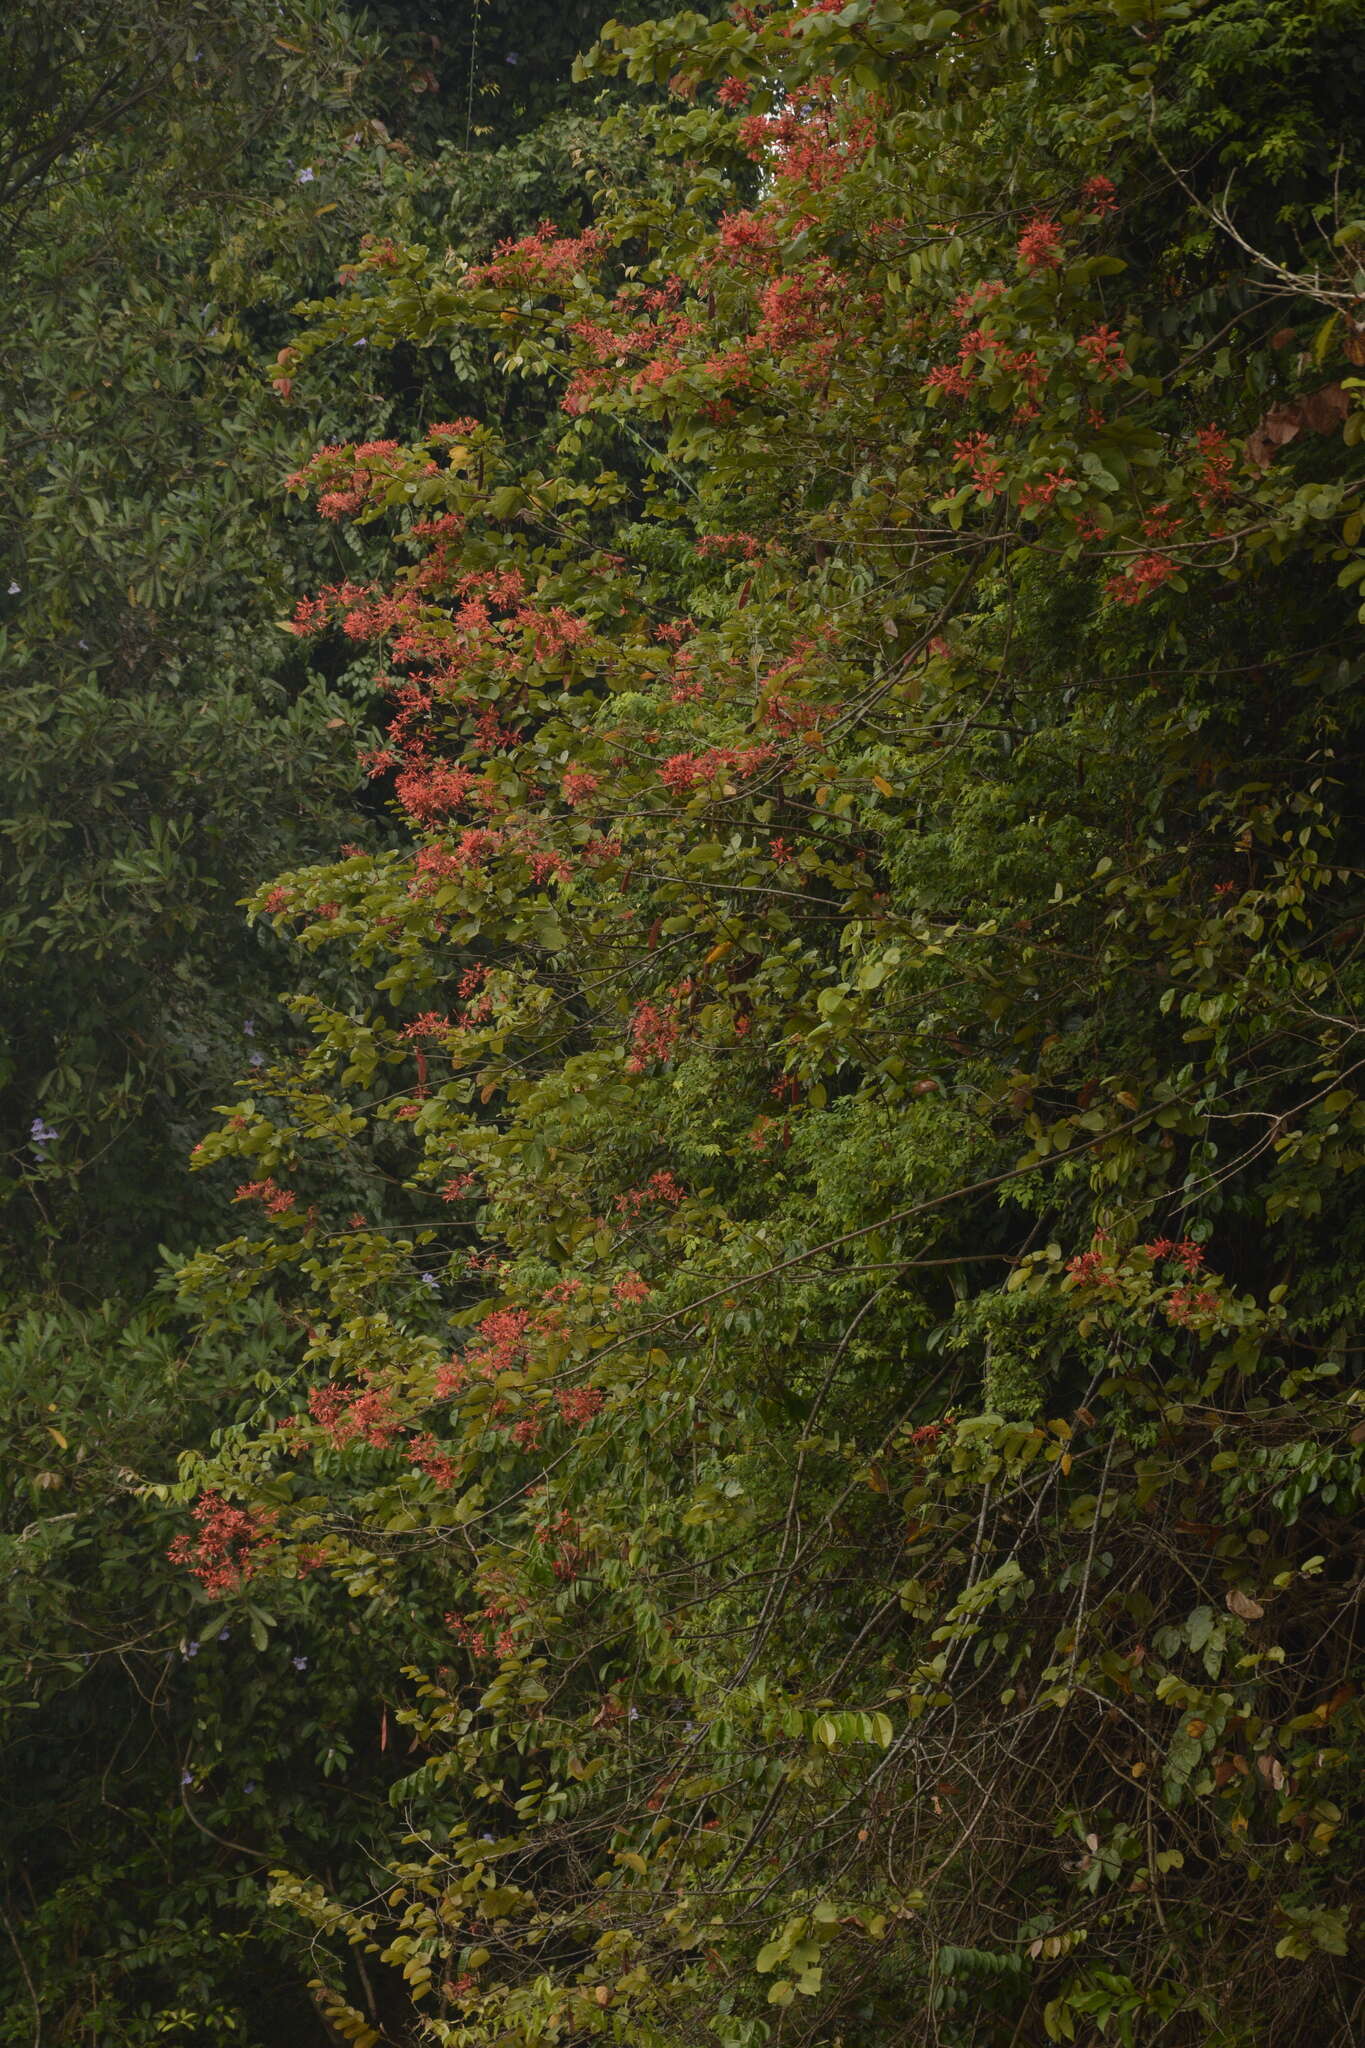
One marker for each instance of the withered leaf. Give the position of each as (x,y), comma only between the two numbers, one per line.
(1321,412)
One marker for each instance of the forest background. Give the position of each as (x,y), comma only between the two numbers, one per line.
(708,697)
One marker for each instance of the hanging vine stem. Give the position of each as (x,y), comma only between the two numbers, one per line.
(473,66)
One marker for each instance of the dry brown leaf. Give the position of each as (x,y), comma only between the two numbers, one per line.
(1321,412)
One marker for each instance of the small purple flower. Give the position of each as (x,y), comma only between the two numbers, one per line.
(14,589)
(223,1634)
(249,1026)
(250,1785)
(430,1280)
(299,1663)
(256,1059)
(190,1650)
(42,1134)
(187,1777)
(305,176)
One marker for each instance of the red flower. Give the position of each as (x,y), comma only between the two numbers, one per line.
(1188,1302)
(1042,494)
(1183,1250)
(1104,347)
(987,473)
(1216,475)
(1040,244)
(427,1457)
(1093,1268)
(1148,572)
(276,1200)
(950,379)
(578,1405)
(653,1034)
(229,1548)
(346,1414)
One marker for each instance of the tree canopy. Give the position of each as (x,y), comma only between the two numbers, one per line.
(854,1411)
(797,1241)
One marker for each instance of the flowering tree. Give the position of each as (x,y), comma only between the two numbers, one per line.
(866,1028)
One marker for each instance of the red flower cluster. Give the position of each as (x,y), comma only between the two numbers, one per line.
(426,1455)
(441,864)
(495,1641)
(352,475)
(499,1347)
(654,344)
(276,1200)
(350,1414)
(742,544)
(578,1405)
(748,239)
(1183,1250)
(1092,1268)
(1040,244)
(229,1548)
(429,1025)
(681,773)
(428,791)
(653,1033)
(562,1535)
(980,350)
(968,304)
(1104,348)
(808,142)
(544,258)
(1188,1302)
(1043,494)
(1216,473)
(662,1186)
(987,472)
(951,379)
(1160,523)
(1132,584)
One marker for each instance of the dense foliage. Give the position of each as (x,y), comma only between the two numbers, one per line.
(155,745)
(171,181)
(803,1283)
(867,1023)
